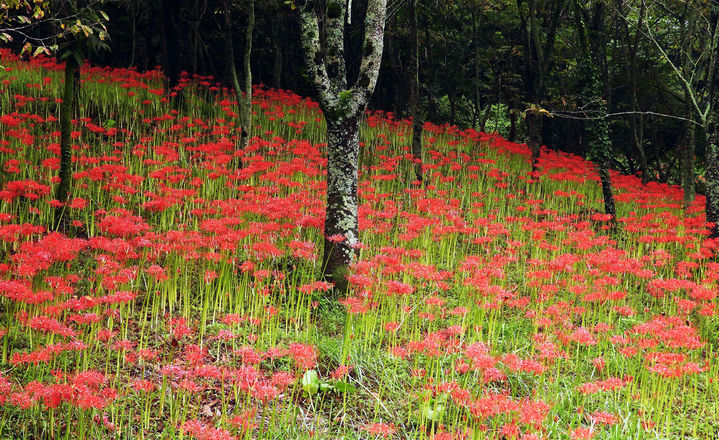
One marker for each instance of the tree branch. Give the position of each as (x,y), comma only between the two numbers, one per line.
(372,48)
(310,36)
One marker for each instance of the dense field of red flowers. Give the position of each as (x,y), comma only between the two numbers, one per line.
(184,303)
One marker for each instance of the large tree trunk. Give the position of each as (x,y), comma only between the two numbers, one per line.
(66,112)
(414,101)
(343,109)
(341,224)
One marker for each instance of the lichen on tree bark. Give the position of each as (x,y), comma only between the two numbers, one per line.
(343,107)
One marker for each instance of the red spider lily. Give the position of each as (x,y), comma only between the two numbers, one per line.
(142,385)
(202,431)
(604,418)
(123,226)
(381,429)
(611,384)
(305,356)
(581,434)
(28,189)
(244,421)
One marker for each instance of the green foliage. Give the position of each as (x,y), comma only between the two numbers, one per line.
(431,408)
(76,29)
(311,384)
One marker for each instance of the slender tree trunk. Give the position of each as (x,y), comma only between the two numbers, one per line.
(686,158)
(133,50)
(246,108)
(452,107)
(195,43)
(630,159)
(637,121)
(475,111)
(660,170)
(476,59)
(231,67)
(66,112)
(277,54)
(401,75)
(606,181)
(534,130)
(712,179)
(596,88)
(428,71)
(538,56)
(414,101)
(711,130)
(629,50)
(637,127)
(149,52)
(547,131)
(169,42)
(198,64)
(485,117)
(512,125)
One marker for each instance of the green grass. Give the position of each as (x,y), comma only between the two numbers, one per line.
(480,308)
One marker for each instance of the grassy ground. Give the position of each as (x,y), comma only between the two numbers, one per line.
(183,303)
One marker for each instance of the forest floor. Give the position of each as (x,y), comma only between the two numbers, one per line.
(183,301)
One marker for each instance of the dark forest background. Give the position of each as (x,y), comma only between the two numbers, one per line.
(483,64)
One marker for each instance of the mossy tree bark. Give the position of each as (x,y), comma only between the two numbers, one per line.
(343,107)
(66,113)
